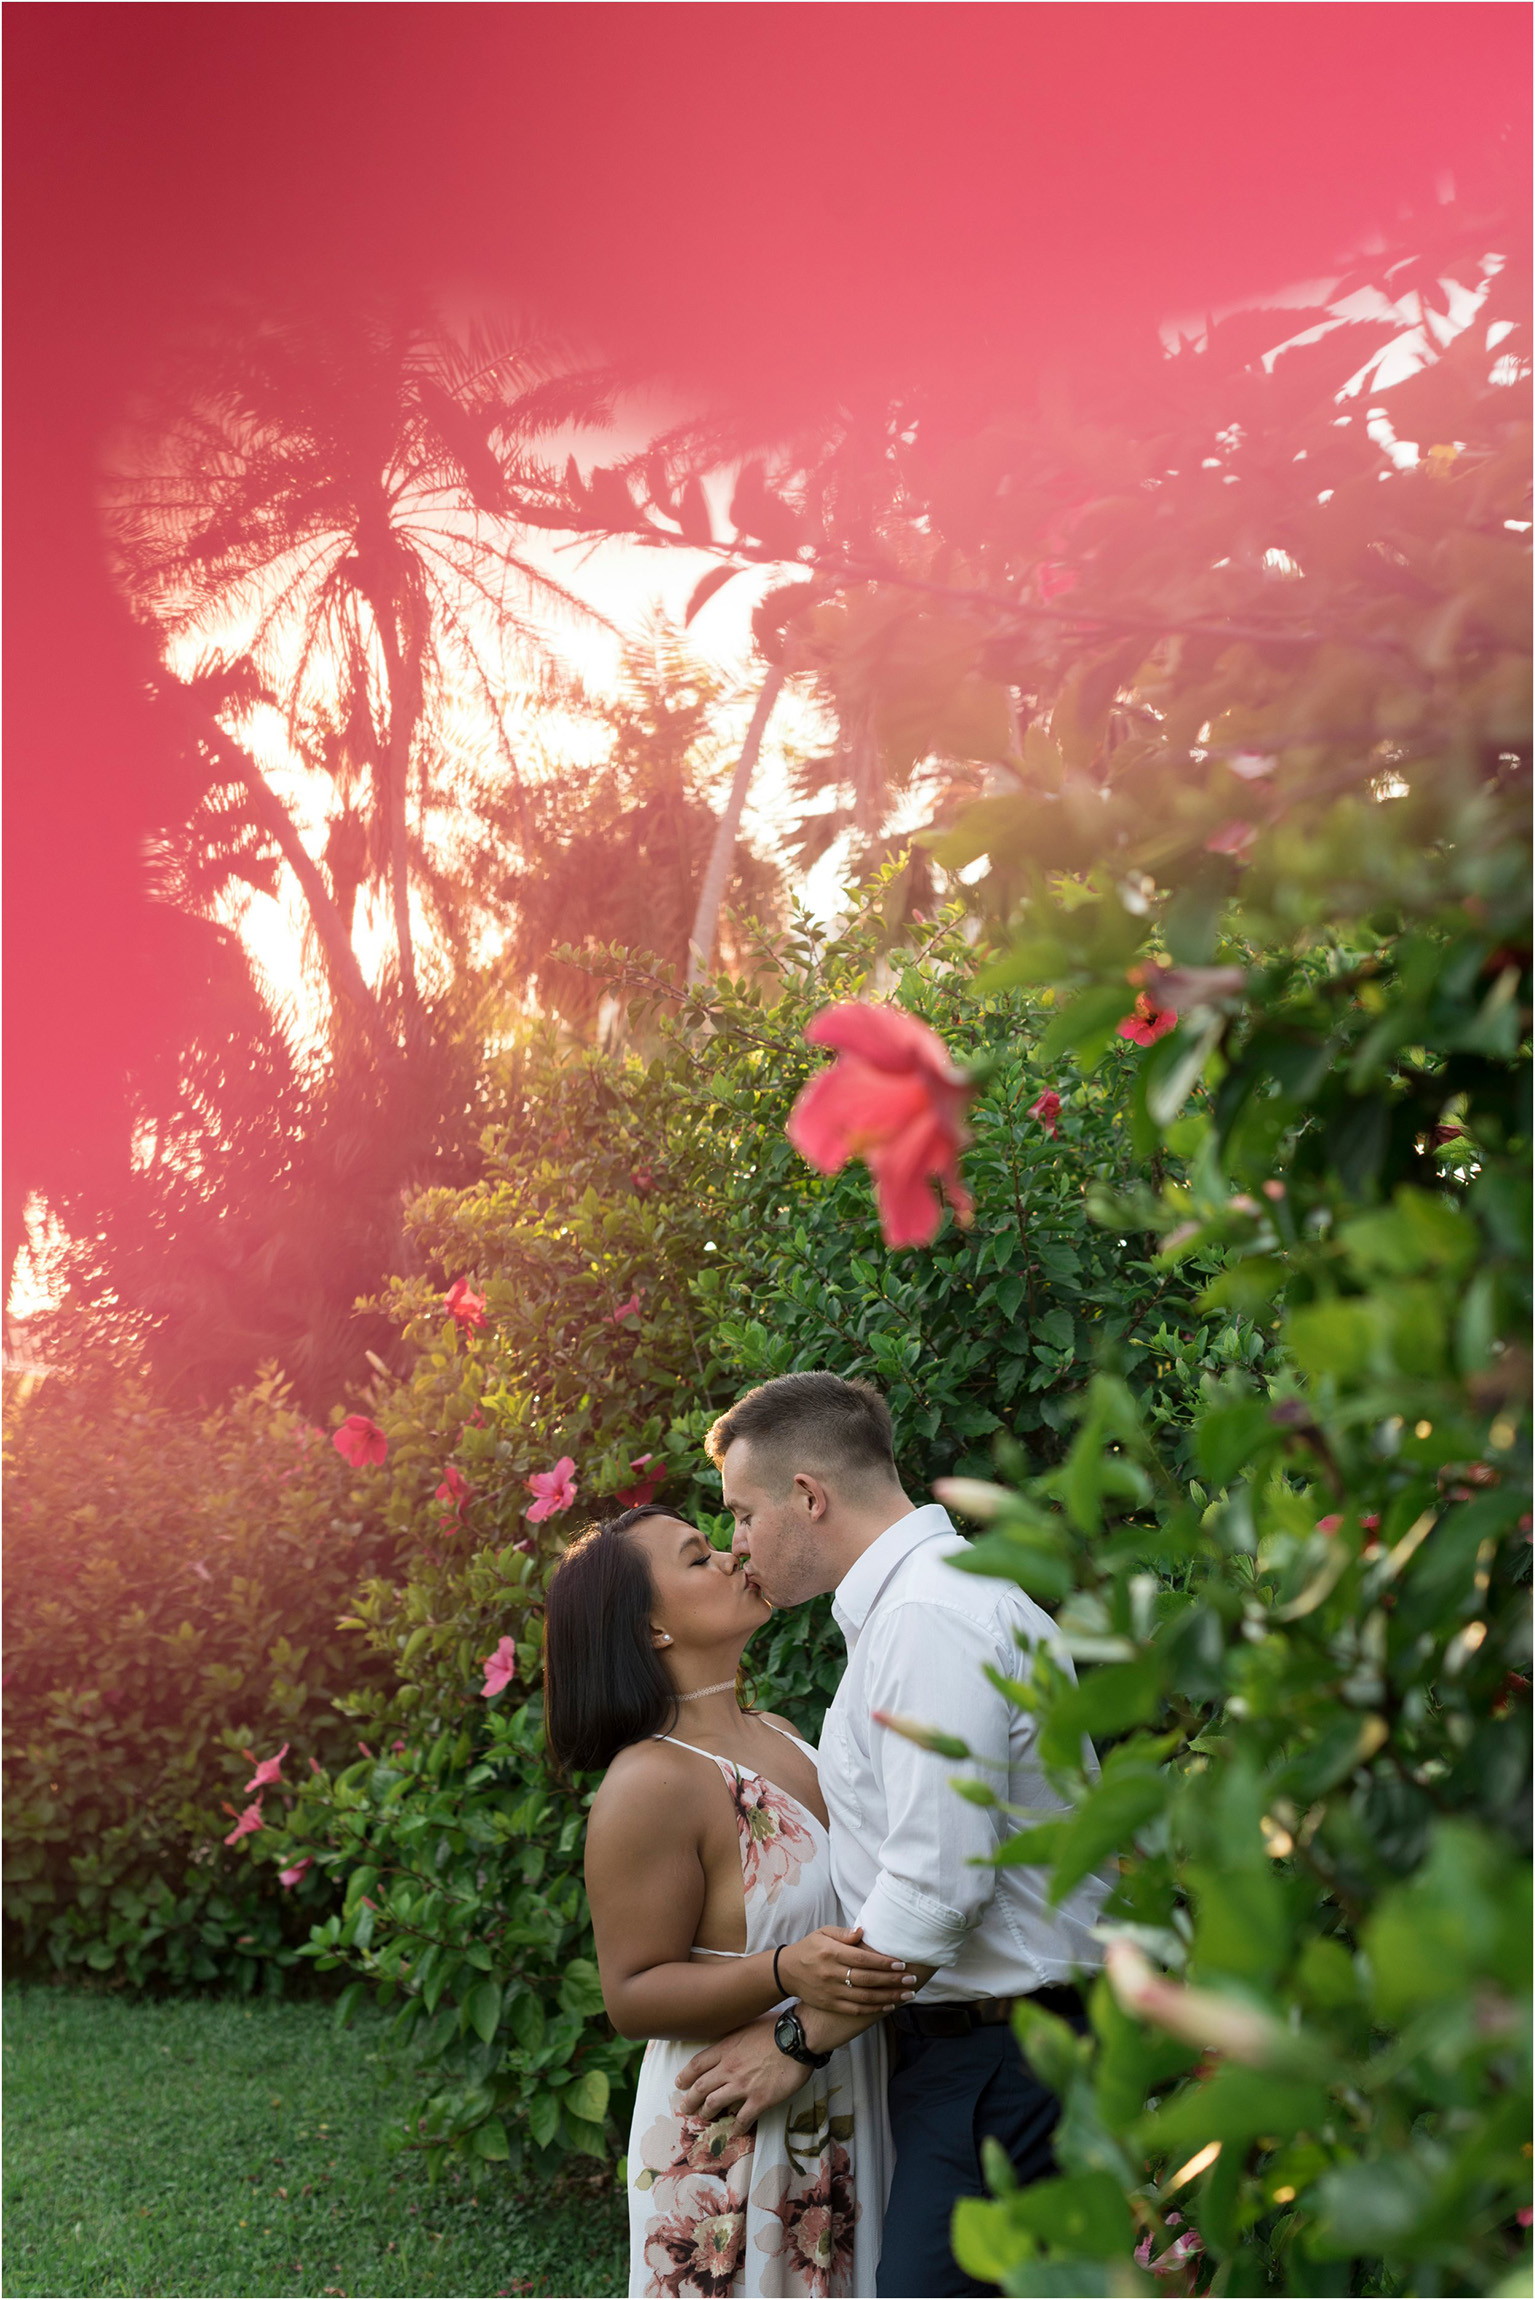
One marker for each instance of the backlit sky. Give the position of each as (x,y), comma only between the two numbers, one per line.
(774,204)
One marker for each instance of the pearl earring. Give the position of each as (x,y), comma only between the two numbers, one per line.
(666,1637)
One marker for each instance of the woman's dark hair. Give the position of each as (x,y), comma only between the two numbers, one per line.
(604,1682)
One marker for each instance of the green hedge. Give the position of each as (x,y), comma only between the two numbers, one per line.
(172,1590)
(458,1855)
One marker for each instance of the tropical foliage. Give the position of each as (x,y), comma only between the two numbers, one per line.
(172,1590)
(646,1240)
(1216,671)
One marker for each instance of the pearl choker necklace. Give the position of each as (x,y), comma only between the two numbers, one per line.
(727,1687)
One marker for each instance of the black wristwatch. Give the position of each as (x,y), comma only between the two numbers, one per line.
(789,2036)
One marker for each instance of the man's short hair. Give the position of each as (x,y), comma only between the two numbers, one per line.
(814,1422)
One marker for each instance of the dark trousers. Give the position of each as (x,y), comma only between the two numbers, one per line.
(947,2094)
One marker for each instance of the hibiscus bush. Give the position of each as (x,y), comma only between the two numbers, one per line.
(645,1243)
(1274,785)
(173,1584)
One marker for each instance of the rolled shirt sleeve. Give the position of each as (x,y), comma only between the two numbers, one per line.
(928,1662)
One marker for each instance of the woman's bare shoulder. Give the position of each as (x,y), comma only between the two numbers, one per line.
(647,1781)
(784,1724)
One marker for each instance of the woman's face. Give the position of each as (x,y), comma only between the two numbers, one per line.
(700,1598)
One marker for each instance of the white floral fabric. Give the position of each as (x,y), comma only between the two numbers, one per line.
(795,2207)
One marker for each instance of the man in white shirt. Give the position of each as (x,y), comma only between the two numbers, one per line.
(809,1474)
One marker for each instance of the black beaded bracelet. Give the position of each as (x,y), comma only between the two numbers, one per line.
(777,1983)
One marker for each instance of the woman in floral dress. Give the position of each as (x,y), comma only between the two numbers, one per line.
(709,1876)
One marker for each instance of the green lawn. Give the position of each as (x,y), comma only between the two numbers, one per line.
(204,2146)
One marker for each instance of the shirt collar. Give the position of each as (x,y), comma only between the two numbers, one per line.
(859,1590)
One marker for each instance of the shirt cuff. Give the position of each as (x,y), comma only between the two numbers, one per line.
(901,1922)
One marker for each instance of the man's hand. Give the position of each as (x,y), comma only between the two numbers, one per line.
(744,2072)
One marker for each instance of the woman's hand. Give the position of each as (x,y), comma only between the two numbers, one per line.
(829,1970)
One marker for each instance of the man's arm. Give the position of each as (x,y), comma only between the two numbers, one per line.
(746,2073)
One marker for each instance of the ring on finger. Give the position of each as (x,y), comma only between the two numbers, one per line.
(847,1984)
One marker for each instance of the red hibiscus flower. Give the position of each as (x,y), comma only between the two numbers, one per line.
(643,1179)
(453,1492)
(1048,1111)
(555,1490)
(467,1308)
(360,1442)
(894,1099)
(1148,1023)
(635,1496)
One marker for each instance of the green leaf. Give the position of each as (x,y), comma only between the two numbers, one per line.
(1227,1437)
(544,2117)
(348,2001)
(1051,2046)
(1086,1027)
(581,1988)
(1372,2207)
(482,2009)
(525,2018)
(489,2140)
(1107,1820)
(1332,1337)
(985,2243)
(1234,2107)
(588,2096)
(1085,2213)
(1104,1702)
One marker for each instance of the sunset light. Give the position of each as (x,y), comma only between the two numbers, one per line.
(767,1335)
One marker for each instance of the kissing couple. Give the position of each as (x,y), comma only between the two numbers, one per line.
(825,1923)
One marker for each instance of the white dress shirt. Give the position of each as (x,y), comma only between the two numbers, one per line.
(902,1841)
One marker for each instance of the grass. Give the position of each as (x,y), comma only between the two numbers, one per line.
(203,2146)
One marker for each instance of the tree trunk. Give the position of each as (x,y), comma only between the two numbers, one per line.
(340,958)
(404,665)
(712,893)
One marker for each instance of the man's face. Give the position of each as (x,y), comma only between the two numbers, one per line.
(777,1534)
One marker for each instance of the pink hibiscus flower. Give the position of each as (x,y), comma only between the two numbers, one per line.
(1148,1023)
(360,1442)
(895,1099)
(774,1840)
(1048,1111)
(467,1309)
(290,1877)
(500,1668)
(625,1311)
(555,1490)
(268,1771)
(1233,838)
(247,1824)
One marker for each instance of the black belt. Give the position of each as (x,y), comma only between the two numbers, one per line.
(984,2012)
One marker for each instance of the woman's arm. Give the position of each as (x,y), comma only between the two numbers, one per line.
(646,1882)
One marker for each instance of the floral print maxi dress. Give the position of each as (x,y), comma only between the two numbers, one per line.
(796,2206)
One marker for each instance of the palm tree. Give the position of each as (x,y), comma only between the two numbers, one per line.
(327,513)
(622,856)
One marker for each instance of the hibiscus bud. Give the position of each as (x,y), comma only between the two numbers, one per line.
(925,1736)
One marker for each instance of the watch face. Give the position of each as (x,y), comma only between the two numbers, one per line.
(787,2034)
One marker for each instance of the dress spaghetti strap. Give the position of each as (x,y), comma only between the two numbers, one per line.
(809,1747)
(697,1752)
